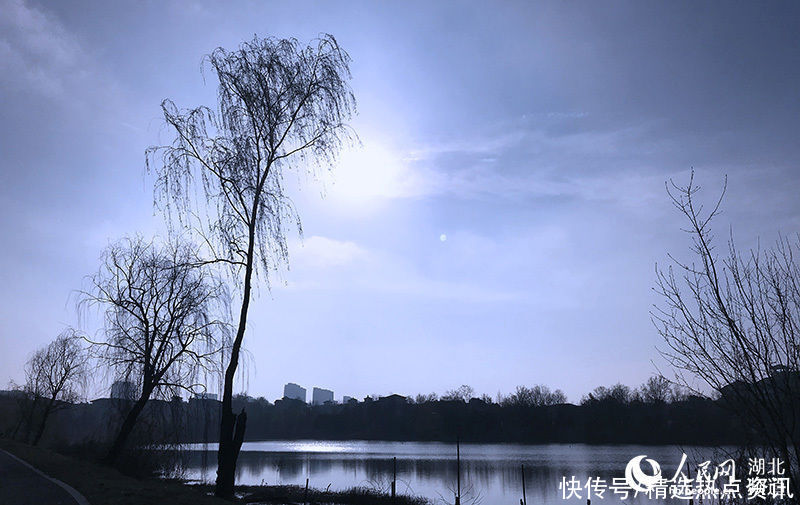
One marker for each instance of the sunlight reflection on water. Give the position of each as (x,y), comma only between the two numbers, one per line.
(490,471)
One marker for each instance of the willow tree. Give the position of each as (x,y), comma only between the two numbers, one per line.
(279,105)
(55,376)
(164,320)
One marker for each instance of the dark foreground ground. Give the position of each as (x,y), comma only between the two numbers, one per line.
(101,485)
(21,484)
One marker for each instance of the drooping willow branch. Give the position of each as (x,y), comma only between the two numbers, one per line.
(279,105)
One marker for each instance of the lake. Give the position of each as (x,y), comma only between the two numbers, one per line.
(490,473)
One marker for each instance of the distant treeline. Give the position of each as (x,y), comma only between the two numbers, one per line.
(691,421)
(655,413)
(652,414)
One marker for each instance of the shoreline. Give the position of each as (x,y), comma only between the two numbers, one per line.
(102,485)
(472,443)
(281,494)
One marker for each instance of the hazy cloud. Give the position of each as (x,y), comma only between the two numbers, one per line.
(323,252)
(37,53)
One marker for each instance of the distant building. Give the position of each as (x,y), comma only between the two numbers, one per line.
(295,392)
(205,396)
(321,396)
(123,390)
(347,399)
(393,400)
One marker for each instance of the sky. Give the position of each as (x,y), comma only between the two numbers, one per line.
(500,223)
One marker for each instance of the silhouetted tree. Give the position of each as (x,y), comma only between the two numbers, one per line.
(535,396)
(618,393)
(164,319)
(732,322)
(279,104)
(462,393)
(423,398)
(679,393)
(657,389)
(54,376)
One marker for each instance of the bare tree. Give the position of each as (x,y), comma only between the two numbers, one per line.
(618,393)
(279,105)
(733,323)
(425,398)
(462,393)
(164,321)
(54,377)
(657,389)
(536,396)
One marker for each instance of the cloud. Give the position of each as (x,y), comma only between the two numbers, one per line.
(417,287)
(36,52)
(321,252)
(39,55)
(326,264)
(532,161)
(489,144)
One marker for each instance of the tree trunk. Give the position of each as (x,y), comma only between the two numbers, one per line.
(126,429)
(48,408)
(27,408)
(231,427)
(229,453)
(31,419)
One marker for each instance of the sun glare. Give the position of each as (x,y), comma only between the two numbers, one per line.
(368,175)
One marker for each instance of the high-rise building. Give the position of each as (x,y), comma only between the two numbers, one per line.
(346,399)
(123,390)
(320,396)
(294,392)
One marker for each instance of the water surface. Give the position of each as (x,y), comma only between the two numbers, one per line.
(490,473)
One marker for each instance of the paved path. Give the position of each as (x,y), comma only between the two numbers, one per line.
(22,484)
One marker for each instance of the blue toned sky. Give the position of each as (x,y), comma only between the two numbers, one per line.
(501,223)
